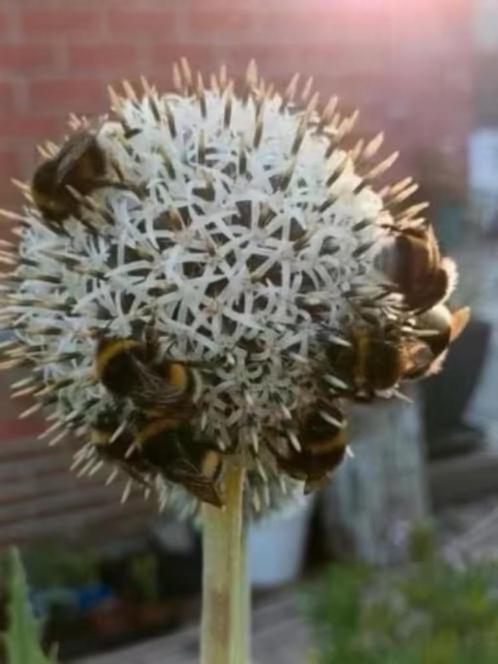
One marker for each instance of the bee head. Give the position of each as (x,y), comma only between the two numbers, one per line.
(43,188)
(105,422)
(44,176)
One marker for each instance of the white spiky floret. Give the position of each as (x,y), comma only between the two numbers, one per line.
(251,214)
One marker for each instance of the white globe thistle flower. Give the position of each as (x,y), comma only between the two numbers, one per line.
(209,275)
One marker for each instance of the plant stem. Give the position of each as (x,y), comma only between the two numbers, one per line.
(225,614)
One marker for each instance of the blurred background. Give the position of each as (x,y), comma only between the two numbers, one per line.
(424,481)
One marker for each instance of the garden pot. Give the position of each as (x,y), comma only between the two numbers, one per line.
(153,614)
(276,545)
(111,618)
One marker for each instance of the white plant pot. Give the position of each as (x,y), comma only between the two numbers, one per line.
(276,546)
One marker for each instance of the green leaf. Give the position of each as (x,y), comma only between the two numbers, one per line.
(21,640)
(433,613)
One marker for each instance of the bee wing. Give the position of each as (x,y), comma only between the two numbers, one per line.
(437,364)
(134,474)
(153,390)
(315,484)
(449,268)
(419,359)
(459,321)
(186,474)
(104,452)
(206,492)
(71,151)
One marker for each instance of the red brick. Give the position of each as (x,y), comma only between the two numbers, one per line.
(9,167)
(61,21)
(30,126)
(7,96)
(25,56)
(301,22)
(4,21)
(161,56)
(291,5)
(333,23)
(102,57)
(203,19)
(75,94)
(15,428)
(272,59)
(132,22)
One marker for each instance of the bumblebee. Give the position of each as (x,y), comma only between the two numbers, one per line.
(412,261)
(161,446)
(375,361)
(322,439)
(171,450)
(80,166)
(442,327)
(129,369)
(120,449)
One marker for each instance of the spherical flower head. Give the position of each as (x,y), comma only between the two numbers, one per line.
(206,276)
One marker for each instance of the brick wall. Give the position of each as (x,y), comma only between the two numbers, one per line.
(405,63)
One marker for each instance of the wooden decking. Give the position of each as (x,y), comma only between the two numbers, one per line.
(279,636)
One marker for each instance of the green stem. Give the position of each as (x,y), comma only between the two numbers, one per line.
(225,614)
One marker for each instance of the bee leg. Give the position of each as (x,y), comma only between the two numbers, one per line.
(130,132)
(136,476)
(89,227)
(231,448)
(54,227)
(207,493)
(201,487)
(315,484)
(139,190)
(212,465)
